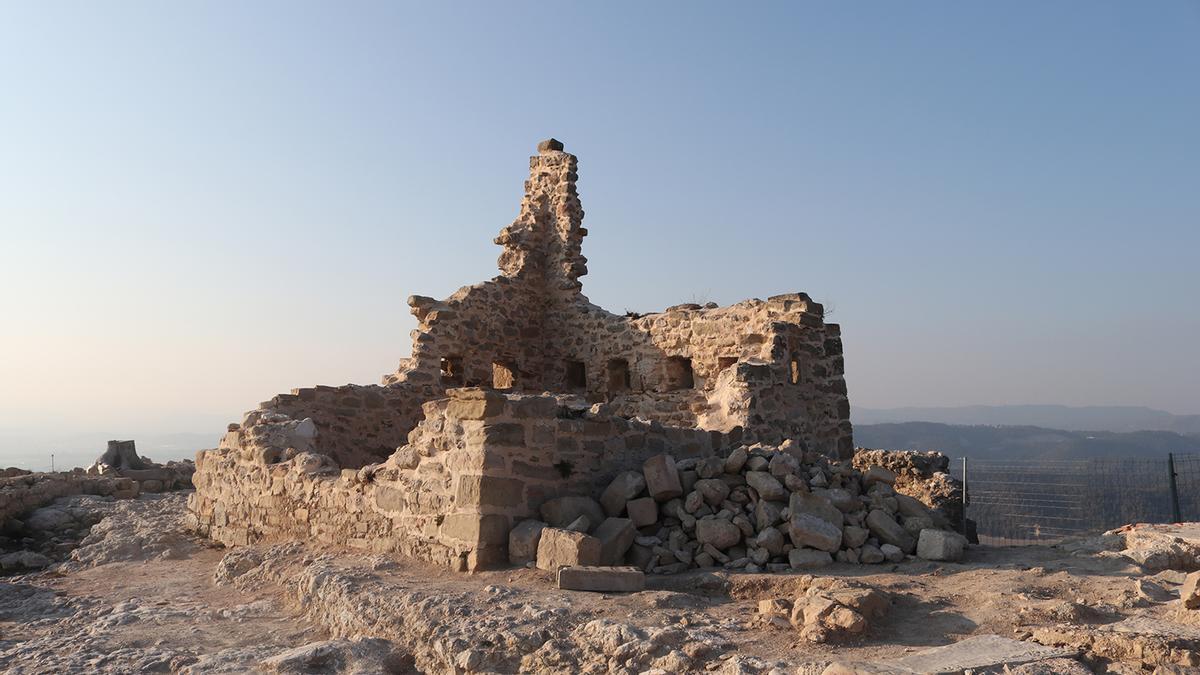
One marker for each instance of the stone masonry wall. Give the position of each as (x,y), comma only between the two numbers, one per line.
(477,463)
(773,369)
(24,493)
(353,424)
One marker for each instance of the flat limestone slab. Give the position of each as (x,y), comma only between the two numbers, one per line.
(601,579)
(981,651)
(1141,625)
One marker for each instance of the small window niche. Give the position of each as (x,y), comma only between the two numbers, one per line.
(796,369)
(452,371)
(679,373)
(724,362)
(618,375)
(576,376)
(504,374)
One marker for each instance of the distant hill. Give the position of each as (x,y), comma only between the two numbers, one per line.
(1089,418)
(1021,442)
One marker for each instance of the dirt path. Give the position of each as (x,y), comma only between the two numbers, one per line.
(294,609)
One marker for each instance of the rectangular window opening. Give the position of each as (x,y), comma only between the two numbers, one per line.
(452,371)
(618,375)
(504,374)
(679,373)
(576,376)
(794,367)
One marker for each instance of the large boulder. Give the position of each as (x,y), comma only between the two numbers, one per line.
(626,486)
(563,548)
(940,545)
(616,535)
(817,506)
(807,558)
(883,526)
(720,533)
(562,511)
(767,486)
(523,541)
(662,478)
(809,530)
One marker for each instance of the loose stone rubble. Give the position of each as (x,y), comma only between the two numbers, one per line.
(520,391)
(826,609)
(761,508)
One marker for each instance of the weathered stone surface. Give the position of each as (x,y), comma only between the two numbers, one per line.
(561,548)
(878,474)
(626,486)
(1189,592)
(870,555)
(713,491)
(662,479)
(940,545)
(523,541)
(841,499)
(816,506)
(736,460)
(977,652)
(854,537)
(616,535)
(643,511)
(807,558)
(719,533)
(892,553)
(806,529)
(475,408)
(562,511)
(767,486)
(476,529)
(23,560)
(550,145)
(602,579)
(889,531)
(771,540)
(767,513)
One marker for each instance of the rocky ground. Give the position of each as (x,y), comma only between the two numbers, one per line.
(140,594)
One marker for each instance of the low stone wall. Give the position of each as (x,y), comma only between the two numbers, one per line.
(357,424)
(24,493)
(479,462)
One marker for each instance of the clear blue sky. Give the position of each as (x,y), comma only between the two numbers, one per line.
(203,204)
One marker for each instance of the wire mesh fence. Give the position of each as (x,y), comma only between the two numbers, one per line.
(1042,501)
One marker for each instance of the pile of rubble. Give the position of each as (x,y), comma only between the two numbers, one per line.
(825,608)
(761,508)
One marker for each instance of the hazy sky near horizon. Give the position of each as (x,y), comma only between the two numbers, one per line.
(206,203)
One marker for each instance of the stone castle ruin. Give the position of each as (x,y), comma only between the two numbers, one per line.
(519,391)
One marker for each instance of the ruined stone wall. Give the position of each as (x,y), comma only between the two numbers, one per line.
(353,424)
(773,369)
(23,493)
(478,462)
(758,371)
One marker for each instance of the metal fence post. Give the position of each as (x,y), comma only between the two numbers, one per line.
(1174,490)
(965,500)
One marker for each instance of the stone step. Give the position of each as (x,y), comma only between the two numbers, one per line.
(601,579)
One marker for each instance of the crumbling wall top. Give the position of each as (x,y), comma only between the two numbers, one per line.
(545,242)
